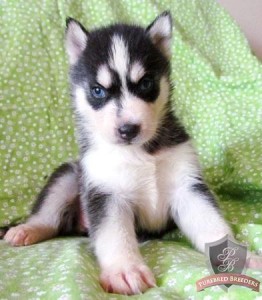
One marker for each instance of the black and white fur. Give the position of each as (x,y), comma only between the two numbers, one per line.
(137,169)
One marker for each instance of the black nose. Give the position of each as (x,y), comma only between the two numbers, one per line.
(128,131)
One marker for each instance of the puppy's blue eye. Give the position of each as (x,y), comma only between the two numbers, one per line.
(146,84)
(98,92)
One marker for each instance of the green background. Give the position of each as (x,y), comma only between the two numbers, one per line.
(217,96)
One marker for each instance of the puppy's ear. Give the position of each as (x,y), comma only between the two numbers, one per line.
(76,37)
(160,32)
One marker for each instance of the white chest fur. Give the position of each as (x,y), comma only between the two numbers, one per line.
(132,175)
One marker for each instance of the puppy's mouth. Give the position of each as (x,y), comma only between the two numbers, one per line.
(128,142)
(140,140)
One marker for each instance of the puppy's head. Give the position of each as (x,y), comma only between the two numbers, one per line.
(119,76)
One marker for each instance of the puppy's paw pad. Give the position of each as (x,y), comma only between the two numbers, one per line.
(22,235)
(127,280)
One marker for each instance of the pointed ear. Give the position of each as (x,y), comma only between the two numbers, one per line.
(160,32)
(75,39)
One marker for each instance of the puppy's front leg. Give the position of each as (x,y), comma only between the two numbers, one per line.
(122,267)
(196,213)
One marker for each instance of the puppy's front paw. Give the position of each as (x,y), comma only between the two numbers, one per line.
(25,234)
(127,279)
(254,262)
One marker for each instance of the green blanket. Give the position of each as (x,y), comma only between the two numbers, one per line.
(217,95)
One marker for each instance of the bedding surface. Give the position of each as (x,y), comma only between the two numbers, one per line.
(217,95)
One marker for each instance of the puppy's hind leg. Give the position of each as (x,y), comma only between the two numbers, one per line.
(54,211)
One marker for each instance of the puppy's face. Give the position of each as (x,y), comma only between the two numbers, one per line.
(119,77)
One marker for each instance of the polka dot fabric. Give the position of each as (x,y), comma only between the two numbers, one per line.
(217,95)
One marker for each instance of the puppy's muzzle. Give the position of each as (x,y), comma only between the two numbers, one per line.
(128,131)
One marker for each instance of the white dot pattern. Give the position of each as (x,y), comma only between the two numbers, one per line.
(217,95)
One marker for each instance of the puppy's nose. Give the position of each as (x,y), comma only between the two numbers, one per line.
(129,131)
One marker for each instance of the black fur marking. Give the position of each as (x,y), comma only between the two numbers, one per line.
(58,173)
(169,133)
(203,189)
(98,52)
(69,20)
(164,14)
(115,88)
(96,207)
(113,92)
(148,96)
(144,235)
(70,218)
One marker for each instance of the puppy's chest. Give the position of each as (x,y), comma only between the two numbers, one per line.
(135,177)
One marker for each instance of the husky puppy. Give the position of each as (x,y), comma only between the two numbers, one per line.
(137,169)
